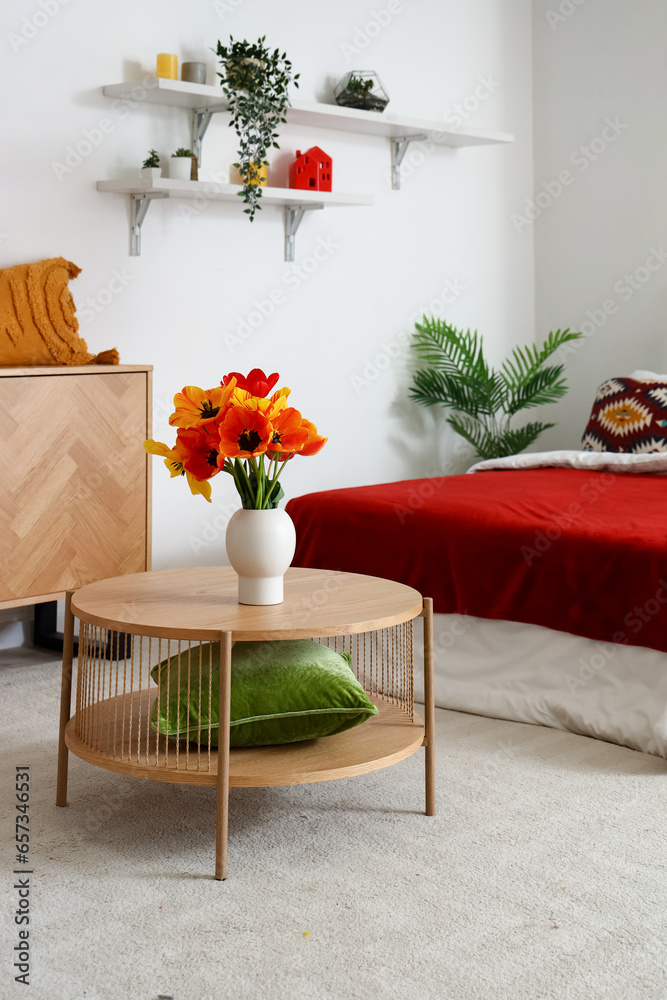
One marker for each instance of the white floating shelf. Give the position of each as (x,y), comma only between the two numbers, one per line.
(157,90)
(204,101)
(213,191)
(296,203)
(176,93)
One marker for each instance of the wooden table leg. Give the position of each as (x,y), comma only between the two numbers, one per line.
(222,785)
(65,701)
(429,706)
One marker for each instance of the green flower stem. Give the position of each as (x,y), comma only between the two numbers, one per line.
(230,467)
(240,466)
(260,482)
(265,493)
(266,479)
(277,476)
(258,498)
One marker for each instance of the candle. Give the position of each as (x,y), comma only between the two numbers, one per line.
(167,66)
(193,72)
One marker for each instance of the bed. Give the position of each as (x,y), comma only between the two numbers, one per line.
(549,579)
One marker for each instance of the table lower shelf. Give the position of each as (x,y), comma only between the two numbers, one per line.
(132,748)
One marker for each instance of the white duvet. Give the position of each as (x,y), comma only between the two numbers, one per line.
(599,461)
(527,673)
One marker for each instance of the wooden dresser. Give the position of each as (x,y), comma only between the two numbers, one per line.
(75,498)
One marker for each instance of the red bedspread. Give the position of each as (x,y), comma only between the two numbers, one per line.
(580,551)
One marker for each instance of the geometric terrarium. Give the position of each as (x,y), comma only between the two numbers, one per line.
(361,89)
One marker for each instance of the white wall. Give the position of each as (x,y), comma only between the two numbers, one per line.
(196,281)
(596,62)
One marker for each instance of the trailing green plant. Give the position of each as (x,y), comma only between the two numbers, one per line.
(152,160)
(181,151)
(256,82)
(484,400)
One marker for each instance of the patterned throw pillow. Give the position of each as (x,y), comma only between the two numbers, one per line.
(629,415)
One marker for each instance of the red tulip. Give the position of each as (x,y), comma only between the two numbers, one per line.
(256,382)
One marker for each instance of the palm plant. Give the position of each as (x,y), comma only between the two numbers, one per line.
(484,400)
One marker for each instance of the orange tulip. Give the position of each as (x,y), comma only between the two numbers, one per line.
(201,451)
(315,441)
(196,407)
(173,457)
(244,432)
(289,434)
(271,408)
(273,404)
(192,457)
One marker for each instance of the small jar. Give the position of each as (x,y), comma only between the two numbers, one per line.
(193,72)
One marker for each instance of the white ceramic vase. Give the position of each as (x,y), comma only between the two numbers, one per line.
(180,168)
(260,547)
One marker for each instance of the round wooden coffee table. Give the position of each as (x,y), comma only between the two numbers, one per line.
(129,624)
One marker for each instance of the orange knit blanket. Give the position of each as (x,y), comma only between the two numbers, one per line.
(38,325)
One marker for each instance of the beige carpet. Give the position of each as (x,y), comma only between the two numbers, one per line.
(543,876)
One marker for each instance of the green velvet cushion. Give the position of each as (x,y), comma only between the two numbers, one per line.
(282,692)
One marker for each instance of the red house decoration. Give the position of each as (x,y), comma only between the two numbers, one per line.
(311,171)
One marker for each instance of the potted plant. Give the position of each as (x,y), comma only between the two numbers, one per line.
(181,165)
(255,176)
(255,81)
(150,168)
(361,89)
(458,377)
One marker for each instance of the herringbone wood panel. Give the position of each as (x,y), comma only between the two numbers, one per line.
(73,494)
